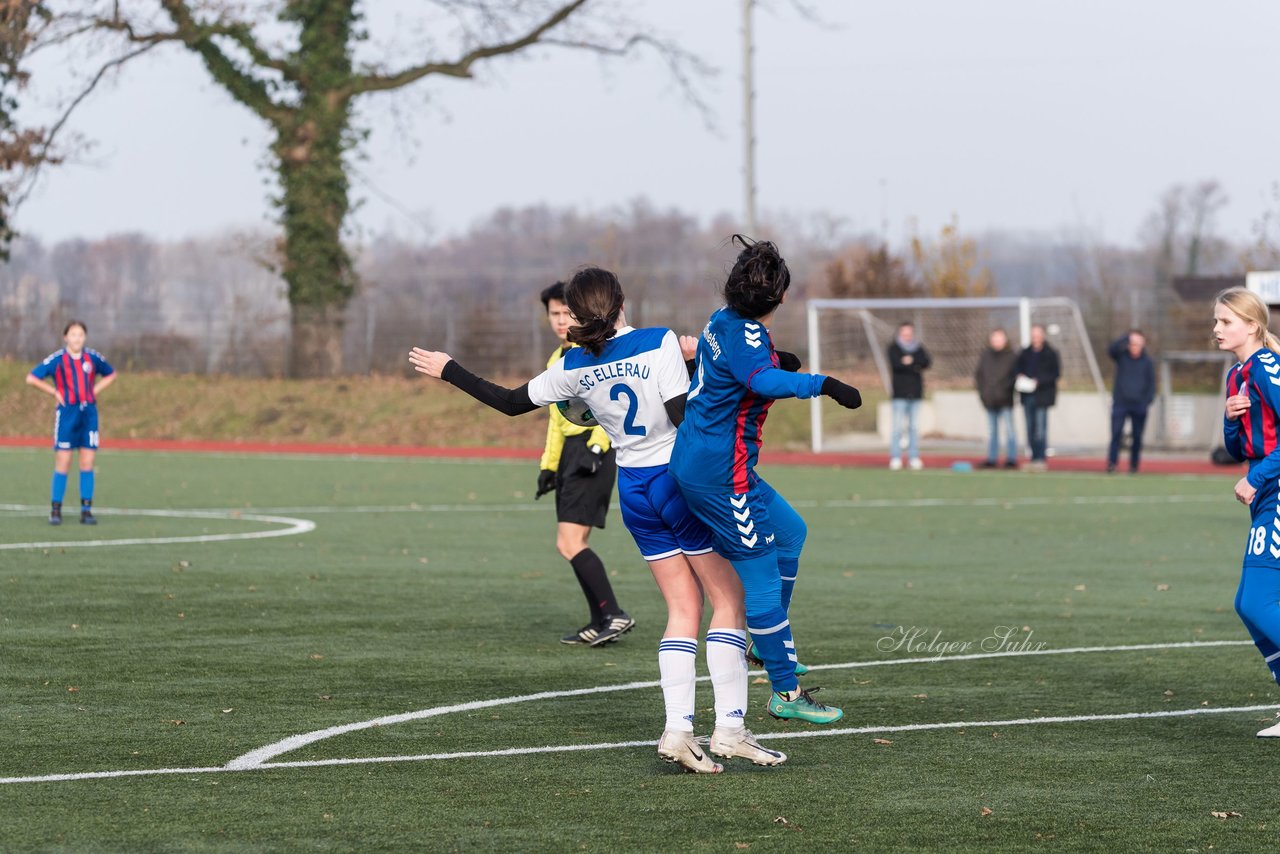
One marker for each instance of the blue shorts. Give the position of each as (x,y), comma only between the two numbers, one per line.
(1263,546)
(75,426)
(752,524)
(656,515)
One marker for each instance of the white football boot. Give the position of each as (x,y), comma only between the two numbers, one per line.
(681,748)
(1272,731)
(738,741)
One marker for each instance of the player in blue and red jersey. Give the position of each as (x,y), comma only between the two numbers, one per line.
(635,382)
(79,376)
(1240,320)
(737,379)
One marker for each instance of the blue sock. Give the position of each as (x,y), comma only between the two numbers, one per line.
(1258,604)
(59,487)
(767,620)
(791,532)
(86,485)
(788,569)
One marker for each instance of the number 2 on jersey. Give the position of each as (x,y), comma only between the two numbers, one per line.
(629,425)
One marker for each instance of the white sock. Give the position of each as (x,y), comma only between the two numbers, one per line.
(727,661)
(677,665)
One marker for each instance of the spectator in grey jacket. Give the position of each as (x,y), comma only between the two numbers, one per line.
(1131,395)
(997,368)
(908,360)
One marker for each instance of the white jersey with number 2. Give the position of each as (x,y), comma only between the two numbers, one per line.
(626,387)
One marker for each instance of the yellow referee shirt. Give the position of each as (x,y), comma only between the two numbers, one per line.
(560,428)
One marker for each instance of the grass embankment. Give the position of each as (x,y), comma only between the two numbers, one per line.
(371,410)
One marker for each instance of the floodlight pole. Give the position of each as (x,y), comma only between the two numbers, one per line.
(749,117)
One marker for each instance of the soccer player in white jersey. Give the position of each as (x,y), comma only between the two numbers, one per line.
(635,382)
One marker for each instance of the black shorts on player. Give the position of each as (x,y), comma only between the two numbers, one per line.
(583,498)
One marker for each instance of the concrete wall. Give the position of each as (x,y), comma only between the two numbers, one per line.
(1079,420)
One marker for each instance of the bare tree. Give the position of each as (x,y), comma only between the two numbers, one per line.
(22,149)
(295,65)
(862,272)
(950,266)
(1264,254)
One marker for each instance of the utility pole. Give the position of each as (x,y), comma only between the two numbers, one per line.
(749,117)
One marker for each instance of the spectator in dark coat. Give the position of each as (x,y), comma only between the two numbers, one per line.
(1131,394)
(997,368)
(1038,371)
(908,360)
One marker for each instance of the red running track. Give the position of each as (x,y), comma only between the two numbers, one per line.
(1158,465)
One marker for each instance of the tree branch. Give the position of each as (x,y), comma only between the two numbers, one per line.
(682,65)
(45,152)
(199,38)
(245,88)
(462,66)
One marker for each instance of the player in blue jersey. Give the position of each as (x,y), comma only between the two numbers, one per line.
(79,376)
(738,377)
(1240,320)
(635,382)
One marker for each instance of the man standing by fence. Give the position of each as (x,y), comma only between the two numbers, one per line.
(1131,395)
(1039,369)
(908,360)
(997,368)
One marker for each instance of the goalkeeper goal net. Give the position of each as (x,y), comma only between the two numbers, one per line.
(849,338)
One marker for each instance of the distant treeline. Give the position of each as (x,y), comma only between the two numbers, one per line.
(216,305)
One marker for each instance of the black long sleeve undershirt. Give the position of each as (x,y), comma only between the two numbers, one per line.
(675,408)
(508,401)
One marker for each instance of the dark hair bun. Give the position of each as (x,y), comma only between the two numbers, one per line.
(595,298)
(758,279)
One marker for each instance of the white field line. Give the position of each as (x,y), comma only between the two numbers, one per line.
(618,745)
(808,733)
(291,528)
(260,759)
(854,504)
(259,456)
(294,742)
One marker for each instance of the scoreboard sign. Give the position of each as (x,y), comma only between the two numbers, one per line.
(1265,284)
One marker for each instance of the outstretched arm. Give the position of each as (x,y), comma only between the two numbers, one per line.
(506,400)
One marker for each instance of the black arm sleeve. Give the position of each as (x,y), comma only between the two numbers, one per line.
(675,409)
(691,365)
(508,401)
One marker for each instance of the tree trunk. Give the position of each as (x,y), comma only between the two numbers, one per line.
(314,205)
(316,345)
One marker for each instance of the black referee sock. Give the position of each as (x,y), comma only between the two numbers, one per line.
(596,615)
(595,584)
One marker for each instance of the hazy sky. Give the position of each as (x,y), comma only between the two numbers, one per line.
(1010,114)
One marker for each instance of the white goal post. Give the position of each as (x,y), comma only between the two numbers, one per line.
(850,337)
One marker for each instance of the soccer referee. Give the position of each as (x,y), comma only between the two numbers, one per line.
(579,466)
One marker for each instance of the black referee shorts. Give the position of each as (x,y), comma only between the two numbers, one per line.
(583,499)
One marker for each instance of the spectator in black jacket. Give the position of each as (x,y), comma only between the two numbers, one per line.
(1038,371)
(908,360)
(1131,394)
(997,367)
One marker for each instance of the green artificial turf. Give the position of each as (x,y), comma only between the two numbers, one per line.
(438,584)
